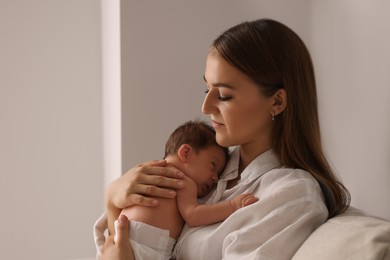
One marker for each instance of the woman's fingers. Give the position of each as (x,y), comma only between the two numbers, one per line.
(136,199)
(162,181)
(159,168)
(161,163)
(143,183)
(122,231)
(153,181)
(122,238)
(144,194)
(118,248)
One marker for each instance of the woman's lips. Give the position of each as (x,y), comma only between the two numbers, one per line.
(217,124)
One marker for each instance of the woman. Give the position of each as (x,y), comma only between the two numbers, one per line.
(261,97)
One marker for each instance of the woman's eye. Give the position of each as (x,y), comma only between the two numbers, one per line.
(220,98)
(224,98)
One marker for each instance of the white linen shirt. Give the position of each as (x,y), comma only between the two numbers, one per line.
(290,207)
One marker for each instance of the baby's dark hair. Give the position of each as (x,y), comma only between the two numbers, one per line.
(196,133)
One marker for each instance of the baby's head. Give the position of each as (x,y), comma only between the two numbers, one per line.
(199,156)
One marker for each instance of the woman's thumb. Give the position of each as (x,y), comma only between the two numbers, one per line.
(122,230)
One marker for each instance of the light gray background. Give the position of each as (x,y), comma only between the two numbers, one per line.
(62,93)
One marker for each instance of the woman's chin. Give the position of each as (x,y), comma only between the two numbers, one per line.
(224,142)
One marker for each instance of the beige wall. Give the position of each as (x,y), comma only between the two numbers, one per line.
(350,45)
(164,45)
(51,173)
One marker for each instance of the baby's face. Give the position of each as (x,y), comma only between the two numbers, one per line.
(206,167)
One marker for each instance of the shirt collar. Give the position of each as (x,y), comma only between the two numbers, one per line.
(260,165)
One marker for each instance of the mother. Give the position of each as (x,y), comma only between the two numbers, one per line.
(261,98)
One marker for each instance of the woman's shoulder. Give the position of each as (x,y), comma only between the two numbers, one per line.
(289,174)
(291,179)
(287,186)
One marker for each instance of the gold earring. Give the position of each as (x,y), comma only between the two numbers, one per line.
(273,116)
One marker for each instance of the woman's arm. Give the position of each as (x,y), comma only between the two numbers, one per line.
(136,187)
(139,185)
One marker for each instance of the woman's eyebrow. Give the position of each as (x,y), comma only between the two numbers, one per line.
(220,84)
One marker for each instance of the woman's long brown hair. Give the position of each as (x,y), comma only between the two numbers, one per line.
(274,57)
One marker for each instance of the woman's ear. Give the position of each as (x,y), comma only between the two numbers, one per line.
(185,152)
(279,102)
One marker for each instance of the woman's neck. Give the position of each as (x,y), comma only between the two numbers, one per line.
(248,153)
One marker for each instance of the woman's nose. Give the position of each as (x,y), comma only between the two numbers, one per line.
(207,104)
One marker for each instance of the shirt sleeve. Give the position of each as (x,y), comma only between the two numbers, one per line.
(274,228)
(99,229)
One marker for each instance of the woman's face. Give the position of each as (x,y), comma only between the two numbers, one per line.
(240,114)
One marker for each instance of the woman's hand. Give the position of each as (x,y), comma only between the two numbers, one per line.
(139,185)
(121,248)
(151,179)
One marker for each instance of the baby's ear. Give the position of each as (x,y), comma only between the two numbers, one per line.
(185,152)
